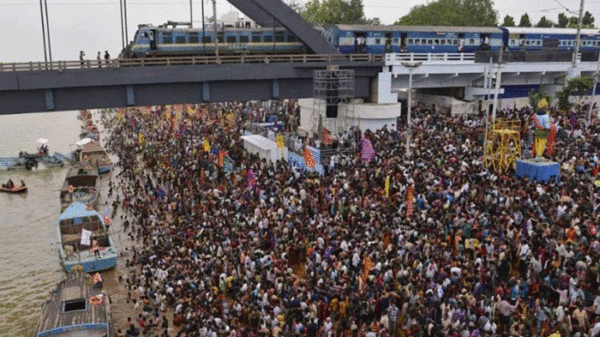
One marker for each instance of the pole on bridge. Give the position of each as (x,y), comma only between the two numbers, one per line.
(122,28)
(43,31)
(48,31)
(191,16)
(578,45)
(126,33)
(487,85)
(215,27)
(203,32)
(498,80)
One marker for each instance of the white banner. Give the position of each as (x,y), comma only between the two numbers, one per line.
(85,237)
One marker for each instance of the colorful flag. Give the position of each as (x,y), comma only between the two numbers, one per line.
(367,269)
(221,157)
(387,187)
(106,216)
(206,145)
(231,119)
(280,141)
(251,179)
(327,138)
(228,165)
(309,159)
(409,201)
(366,152)
(140,138)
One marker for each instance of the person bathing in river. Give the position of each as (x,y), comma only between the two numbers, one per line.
(10,184)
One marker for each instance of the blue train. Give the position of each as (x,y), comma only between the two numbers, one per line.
(166,41)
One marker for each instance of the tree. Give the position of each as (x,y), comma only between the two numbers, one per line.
(579,86)
(509,21)
(563,20)
(573,22)
(544,23)
(525,22)
(330,12)
(452,13)
(587,21)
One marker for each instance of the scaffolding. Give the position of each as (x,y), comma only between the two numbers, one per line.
(333,88)
(503,146)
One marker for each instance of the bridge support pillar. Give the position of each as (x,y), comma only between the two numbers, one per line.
(49,100)
(130,95)
(205,92)
(275,89)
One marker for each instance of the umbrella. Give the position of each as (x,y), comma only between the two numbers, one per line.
(42,140)
(83,141)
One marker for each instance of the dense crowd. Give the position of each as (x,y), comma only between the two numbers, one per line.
(473,253)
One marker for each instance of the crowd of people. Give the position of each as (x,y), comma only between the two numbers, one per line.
(444,248)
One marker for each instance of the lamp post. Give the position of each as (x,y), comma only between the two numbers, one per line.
(593,99)
(411,66)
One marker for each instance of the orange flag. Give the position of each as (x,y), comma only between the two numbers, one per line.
(309,159)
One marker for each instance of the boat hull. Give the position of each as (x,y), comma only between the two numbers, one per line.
(92,265)
(20,189)
(104,169)
(91,327)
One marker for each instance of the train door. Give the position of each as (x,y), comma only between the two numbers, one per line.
(485,42)
(461,42)
(152,37)
(403,45)
(388,42)
(360,43)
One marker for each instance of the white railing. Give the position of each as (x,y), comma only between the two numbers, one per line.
(395,59)
(187,60)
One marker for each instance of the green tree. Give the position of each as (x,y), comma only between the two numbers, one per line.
(452,13)
(573,22)
(544,23)
(525,22)
(330,12)
(509,21)
(587,21)
(563,20)
(579,86)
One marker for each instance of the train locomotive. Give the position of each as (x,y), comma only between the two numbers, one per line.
(171,40)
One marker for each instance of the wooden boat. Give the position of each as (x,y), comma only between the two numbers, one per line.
(93,153)
(71,223)
(86,187)
(31,161)
(76,309)
(15,189)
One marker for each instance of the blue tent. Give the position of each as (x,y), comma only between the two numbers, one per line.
(77,210)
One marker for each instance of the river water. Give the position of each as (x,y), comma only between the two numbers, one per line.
(29,263)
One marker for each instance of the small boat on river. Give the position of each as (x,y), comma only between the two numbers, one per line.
(81,184)
(76,308)
(15,189)
(84,240)
(92,152)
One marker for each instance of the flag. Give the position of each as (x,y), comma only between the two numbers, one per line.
(280,141)
(387,187)
(228,165)
(85,237)
(231,119)
(106,216)
(367,269)
(206,145)
(140,138)
(251,179)
(409,201)
(309,159)
(366,152)
(221,157)
(327,138)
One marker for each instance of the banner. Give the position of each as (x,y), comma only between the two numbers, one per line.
(280,141)
(206,145)
(387,187)
(85,237)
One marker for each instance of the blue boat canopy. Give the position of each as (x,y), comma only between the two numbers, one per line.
(77,210)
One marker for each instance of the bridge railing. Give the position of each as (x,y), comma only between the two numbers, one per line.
(187,60)
(398,58)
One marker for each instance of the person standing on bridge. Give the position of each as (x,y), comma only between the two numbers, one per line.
(107,58)
(99,58)
(81,55)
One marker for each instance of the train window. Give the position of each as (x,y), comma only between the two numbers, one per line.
(244,38)
(395,41)
(206,39)
(220,37)
(255,38)
(436,41)
(443,42)
(268,38)
(279,37)
(231,39)
(409,41)
(180,39)
(145,35)
(194,38)
(167,38)
(429,41)
(377,41)
(455,41)
(471,41)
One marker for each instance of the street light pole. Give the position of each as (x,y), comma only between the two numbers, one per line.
(215,27)
(191,16)
(43,31)
(122,28)
(126,33)
(411,66)
(48,31)
(578,45)
(498,77)
(589,116)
